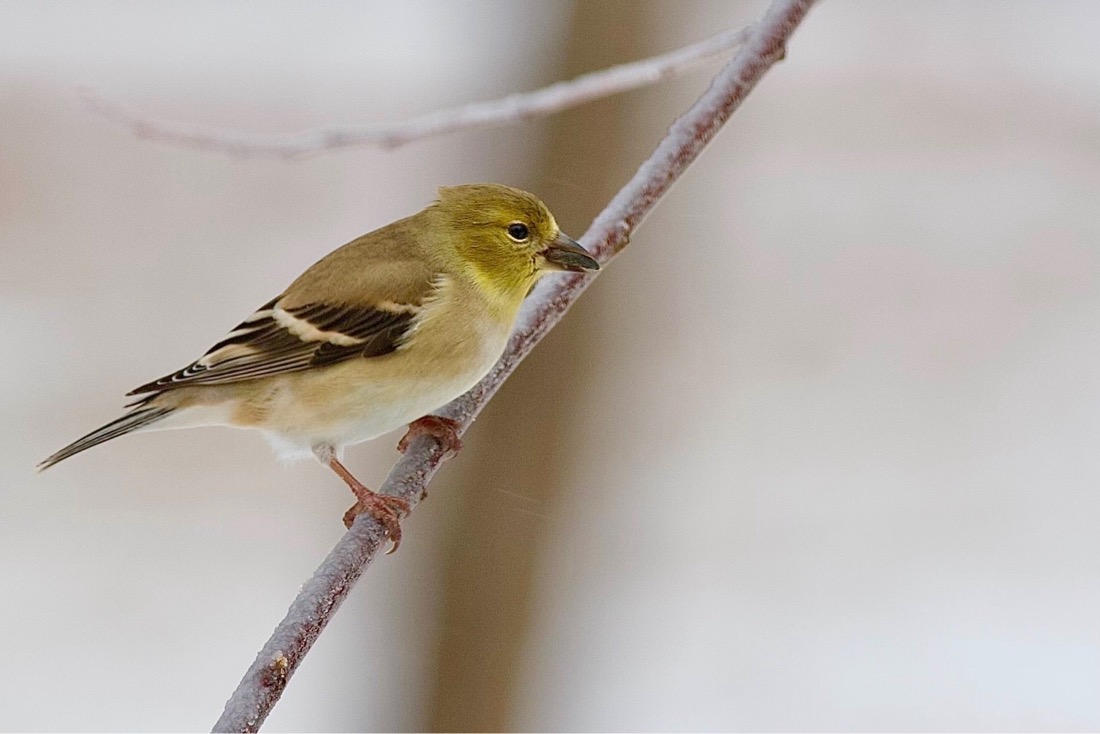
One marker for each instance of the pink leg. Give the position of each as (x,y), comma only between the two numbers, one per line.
(384,508)
(443,429)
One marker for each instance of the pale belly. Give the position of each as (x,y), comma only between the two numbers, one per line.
(375,396)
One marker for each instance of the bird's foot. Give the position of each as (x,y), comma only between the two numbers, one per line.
(444,430)
(386,509)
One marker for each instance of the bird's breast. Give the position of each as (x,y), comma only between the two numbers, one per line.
(453,345)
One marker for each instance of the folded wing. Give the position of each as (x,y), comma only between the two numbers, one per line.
(277,340)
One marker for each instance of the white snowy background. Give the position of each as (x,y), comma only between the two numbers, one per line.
(819,452)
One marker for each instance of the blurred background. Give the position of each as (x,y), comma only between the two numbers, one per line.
(819,451)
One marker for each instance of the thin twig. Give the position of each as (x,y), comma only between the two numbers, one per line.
(608,235)
(511,109)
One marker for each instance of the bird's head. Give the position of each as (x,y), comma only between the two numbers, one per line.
(507,236)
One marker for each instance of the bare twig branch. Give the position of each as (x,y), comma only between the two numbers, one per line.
(511,109)
(607,236)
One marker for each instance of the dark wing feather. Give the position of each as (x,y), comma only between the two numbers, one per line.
(275,341)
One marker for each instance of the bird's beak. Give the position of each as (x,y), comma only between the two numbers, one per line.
(564,253)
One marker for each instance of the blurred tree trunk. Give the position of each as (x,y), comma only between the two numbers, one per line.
(510,474)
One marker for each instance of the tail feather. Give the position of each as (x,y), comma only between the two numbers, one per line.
(132,421)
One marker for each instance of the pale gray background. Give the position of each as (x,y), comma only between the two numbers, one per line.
(819,452)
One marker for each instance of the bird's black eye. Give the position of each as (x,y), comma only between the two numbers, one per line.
(518,231)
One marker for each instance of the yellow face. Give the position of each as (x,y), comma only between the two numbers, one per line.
(508,236)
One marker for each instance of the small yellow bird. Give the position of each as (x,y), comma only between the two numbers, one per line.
(380,332)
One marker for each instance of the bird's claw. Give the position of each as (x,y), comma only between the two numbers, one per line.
(386,509)
(444,430)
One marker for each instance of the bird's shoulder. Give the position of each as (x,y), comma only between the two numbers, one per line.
(394,264)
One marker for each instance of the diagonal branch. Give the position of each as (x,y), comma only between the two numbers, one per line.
(511,109)
(607,236)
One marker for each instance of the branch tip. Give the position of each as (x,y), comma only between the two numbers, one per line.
(512,108)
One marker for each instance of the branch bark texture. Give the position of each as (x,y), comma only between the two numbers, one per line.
(511,109)
(608,234)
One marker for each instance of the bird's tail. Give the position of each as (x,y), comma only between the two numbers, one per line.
(134,420)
